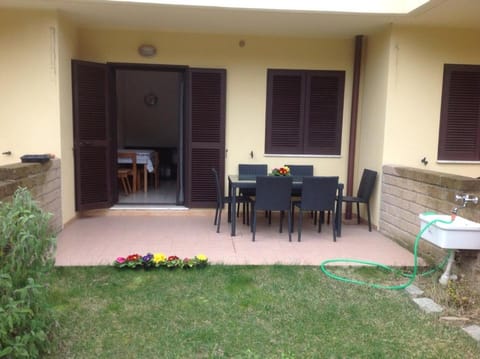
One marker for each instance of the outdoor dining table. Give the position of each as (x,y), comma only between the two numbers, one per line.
(144,157)
(236,182)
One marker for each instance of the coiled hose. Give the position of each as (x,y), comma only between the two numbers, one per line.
(411,275)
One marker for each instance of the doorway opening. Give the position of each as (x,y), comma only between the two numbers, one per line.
(149,113)
(108,116)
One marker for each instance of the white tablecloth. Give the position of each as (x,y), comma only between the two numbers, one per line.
(144,157)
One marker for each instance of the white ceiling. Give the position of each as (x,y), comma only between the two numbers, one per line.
(174,18)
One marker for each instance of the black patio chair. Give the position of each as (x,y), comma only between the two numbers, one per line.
(365,190)
(273,193)
(249,171)
(318,194)
(298,172)
(222,200)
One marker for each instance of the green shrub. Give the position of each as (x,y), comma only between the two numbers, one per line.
(26,259)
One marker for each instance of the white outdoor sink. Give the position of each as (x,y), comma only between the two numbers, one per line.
(460,234)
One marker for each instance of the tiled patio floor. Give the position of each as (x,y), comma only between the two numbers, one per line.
(100,238)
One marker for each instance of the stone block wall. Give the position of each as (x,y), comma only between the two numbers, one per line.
(43,180)
(407,192)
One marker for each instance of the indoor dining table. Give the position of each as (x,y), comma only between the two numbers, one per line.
(236,182)
(145,157)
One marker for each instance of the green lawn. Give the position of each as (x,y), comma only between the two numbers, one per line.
(240,312)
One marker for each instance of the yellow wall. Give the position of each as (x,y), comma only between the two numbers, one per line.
(372,112)
(35,91)
(67,43)
(401,98)
(246,78)
(415,90)
(29,111)
(399,103)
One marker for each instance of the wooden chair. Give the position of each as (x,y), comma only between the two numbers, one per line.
(156,162)
(122,175)
(126,170)
(155,173)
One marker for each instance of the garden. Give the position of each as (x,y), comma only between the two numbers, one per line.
(162,305)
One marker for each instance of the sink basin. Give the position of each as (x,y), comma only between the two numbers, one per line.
(460,234)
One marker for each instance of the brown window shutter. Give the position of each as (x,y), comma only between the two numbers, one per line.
(207,133)
(323,130)
(304,112)
(203,188)
(285,104)
(92,138)
(207,107)
(459,137)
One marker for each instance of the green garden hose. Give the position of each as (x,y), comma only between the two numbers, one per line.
(411,276)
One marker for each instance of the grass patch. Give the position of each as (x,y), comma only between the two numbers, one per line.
(459,297)
(240,312)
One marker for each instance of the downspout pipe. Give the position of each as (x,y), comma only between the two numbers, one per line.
(353,121)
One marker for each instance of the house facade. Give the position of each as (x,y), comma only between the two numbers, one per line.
(399,104)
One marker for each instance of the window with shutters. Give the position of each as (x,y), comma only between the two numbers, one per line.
(304,112)
(459,138)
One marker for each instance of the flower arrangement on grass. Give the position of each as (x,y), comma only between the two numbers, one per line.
(201,260)
(189,262)
(173,262)
(159,260)
(131,261)
(281,171)
(147,260)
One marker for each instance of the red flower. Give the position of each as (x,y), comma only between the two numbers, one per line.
(133,257)
(172,258)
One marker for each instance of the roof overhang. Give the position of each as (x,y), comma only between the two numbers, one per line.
(342,6)
(291,18)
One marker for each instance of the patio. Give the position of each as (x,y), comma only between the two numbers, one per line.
(101,236)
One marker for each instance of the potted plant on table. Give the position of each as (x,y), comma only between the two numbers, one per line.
(281,171)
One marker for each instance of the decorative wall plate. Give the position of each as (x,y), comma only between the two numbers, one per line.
(150,99)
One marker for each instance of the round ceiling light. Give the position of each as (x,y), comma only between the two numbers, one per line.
(147,50)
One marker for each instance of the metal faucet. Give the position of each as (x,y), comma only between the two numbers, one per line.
(464,198)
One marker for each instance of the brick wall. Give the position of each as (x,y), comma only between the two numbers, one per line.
(407,192)
(42,180)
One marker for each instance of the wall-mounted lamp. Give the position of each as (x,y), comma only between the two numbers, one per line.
(147,50)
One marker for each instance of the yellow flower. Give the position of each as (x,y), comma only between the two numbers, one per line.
(201,257)
(159,258)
